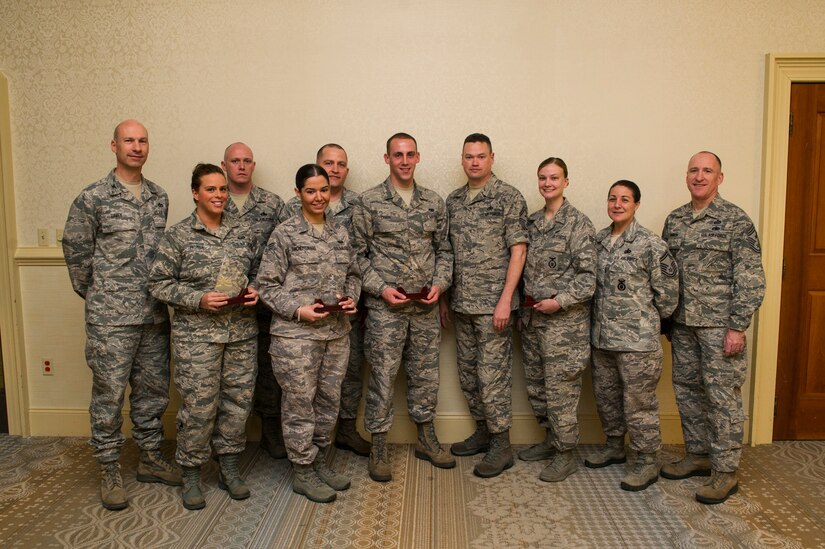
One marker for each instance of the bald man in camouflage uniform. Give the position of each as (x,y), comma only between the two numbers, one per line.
(488,233)
(333,158)
(215,348)
(561,266)
(309,357)
(637,283)
(402,241)
(722,285)
(261,211)
(109,243)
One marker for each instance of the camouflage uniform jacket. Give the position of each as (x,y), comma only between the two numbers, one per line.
(262,212)
(637,283)
(561,258)
(300,266)
(190,260)
(720,265)
(349,199)
(401,245)
(109,244)
(482,230)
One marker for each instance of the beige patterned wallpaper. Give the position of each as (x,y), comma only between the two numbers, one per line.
(618,89)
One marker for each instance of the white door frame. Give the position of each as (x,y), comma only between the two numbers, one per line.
(11,332)
(781,70)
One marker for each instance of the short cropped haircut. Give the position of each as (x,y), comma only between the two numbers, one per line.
(479,138)
(718,160)
(401,135)
(328,146)
(226,150)
(634,188)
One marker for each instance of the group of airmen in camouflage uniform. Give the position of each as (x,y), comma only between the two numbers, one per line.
(287,299)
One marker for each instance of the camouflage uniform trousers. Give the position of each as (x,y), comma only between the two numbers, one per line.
(556,353)
(624,383)
(215,382)
(485,368)
(708,387)
(267,390)
(310,374)
(137,355)
(353,384)
(393,336)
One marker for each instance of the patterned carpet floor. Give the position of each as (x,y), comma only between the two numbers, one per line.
(49,498)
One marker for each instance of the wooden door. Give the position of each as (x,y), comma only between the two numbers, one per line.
(800,383)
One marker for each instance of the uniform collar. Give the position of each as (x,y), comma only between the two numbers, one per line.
(116,189)
(486,191)
(391,194)
(348,197)
(628,235)
(306,228)
(252,198)
(630,232)
(227,222)
(559,219)
(713,209)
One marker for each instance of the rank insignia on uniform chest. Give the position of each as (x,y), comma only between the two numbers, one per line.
(552,262)
(622,285)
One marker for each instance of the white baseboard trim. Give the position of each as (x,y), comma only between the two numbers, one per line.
(451,427)
(74,422)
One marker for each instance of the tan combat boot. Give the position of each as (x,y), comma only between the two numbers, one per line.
(379,464)
(429,449)
(112,493)
(153,467)
(309,484)
(191,492)
(272,437)
(498,458)
(476,443)
(718,489)
(611,453)
(229,478)
(543,450)
(645,472)
(692,465)
(561,466)
(348,438)
(336,481)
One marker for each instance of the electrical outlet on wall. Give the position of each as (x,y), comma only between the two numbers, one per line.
(58,236)
(42,237)
(47,366)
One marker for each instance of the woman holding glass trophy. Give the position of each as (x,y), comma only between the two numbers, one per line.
(204,269)
(310,280)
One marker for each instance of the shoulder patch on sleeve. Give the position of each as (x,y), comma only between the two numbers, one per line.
(667,265)
(752,239)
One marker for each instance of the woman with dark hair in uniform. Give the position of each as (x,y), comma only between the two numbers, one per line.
(205,269)
(310,280)
(636,285)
